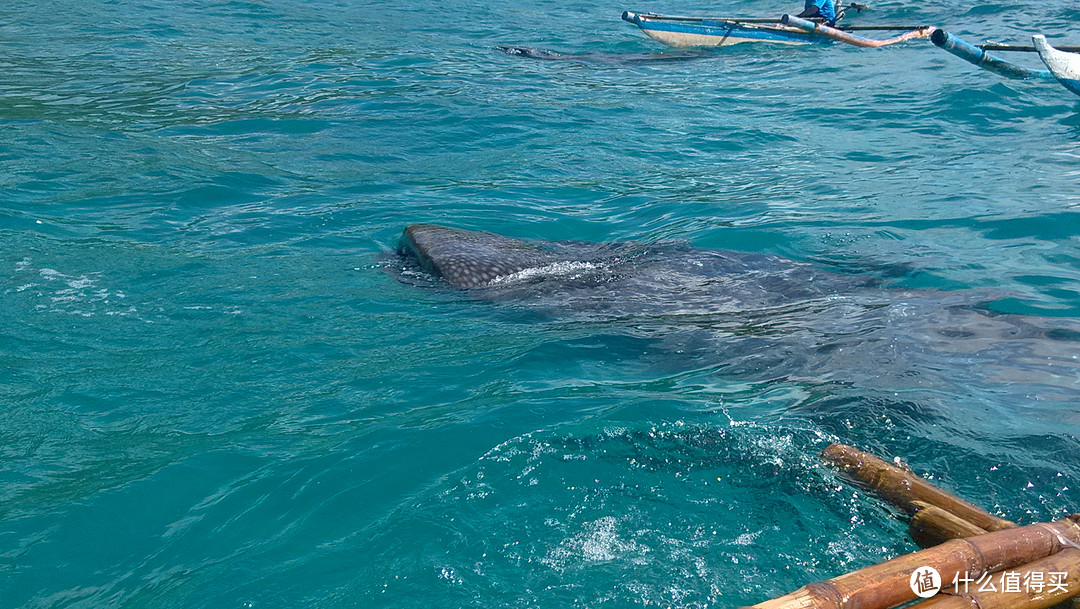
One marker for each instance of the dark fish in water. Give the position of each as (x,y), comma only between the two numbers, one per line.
(611,59)
(532,52)
(769,316)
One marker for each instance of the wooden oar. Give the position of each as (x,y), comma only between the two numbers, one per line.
(813,27)
(1023,48)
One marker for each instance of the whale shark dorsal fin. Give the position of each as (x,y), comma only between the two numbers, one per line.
(466,258)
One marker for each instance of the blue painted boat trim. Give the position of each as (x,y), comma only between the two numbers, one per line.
(1070,84)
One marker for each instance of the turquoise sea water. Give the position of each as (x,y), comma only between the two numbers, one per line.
(213,393)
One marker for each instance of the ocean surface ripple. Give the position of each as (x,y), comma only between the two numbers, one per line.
(217,394)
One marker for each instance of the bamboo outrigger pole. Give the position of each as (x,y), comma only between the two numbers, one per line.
(887,584)
(932,525)
(1023,48)
(906,490)
(978,544)
(1022,594)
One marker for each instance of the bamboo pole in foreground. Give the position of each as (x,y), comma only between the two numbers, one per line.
(931,525)
(1025,592)
(903,489)
(887,584)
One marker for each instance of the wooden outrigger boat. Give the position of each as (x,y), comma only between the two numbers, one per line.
(1063,63)
(714,32)
(721,31)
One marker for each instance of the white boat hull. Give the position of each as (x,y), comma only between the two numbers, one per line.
(1064,66)
(682,32)
(683,40)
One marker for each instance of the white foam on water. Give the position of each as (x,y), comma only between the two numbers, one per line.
(80,294)
(599,541)
(555,269)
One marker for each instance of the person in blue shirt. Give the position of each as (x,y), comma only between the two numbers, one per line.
(821,9)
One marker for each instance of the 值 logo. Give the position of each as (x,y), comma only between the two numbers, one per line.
(925,582)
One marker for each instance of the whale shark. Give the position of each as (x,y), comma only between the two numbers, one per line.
(637,277)
(608,59)
(761,316)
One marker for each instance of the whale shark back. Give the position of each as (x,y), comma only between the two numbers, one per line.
(467,259)
(616,277)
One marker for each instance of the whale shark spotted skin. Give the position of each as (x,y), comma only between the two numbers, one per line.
(635,277)
(469,259)
(759,316)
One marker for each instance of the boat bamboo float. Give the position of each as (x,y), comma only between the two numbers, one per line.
(971,546)
(1058,581)
(931,525)
(904,489)
(888,584)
